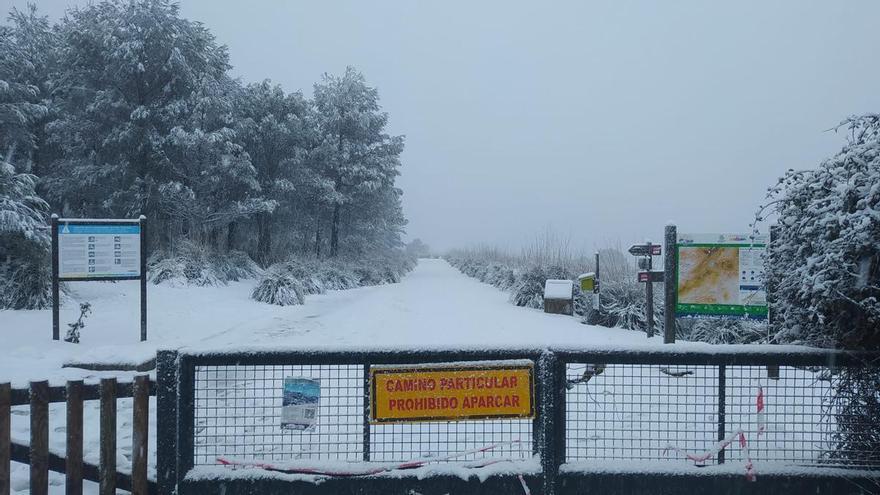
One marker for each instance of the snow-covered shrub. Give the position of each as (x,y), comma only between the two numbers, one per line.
(824,274)
(193,264)
(824,261)
(296,278)
(25,274)
(857,403)
(623,305)
(723,331)
(306,272)
(26,284)
(236,265)
(528,290)
(278,287)
(367,275)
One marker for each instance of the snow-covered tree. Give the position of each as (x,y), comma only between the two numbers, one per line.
(26,48)
(357,156)
(417,248)
(824,261)
(127,72)
(25,281)
(215,183)
(274,129)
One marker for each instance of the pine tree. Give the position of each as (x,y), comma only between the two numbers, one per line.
(26,47)
(358,157)
(24,242)
(127,71)
(275,130)
(215,183)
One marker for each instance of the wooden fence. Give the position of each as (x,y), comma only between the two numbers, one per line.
(37,454)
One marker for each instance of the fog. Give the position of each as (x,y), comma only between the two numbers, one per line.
(602,121)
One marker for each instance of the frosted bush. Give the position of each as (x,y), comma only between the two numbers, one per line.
(731,331)
(528,290)
(192,264)
(25,285)
(278,287)
(824,261)
(236,265)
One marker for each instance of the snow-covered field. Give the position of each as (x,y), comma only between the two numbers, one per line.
(434,306)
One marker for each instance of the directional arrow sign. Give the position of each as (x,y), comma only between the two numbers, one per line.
(645,249)
(652,276)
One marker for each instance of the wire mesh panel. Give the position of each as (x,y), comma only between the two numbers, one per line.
(810,416)
(238,414)
(636,412)
(509,439)
(784,415)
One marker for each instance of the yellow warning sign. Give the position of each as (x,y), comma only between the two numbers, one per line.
(444,393)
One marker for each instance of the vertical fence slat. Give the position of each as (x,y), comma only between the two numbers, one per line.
(74,450)
(39,450)
(107,468)
(5,437)
(722,405)
(140,425)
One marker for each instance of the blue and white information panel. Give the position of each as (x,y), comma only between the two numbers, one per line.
(98,250)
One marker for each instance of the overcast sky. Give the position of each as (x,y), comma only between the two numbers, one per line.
(600,120)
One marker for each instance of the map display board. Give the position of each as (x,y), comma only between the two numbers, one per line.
(99,250)
(449,393)
(721,275)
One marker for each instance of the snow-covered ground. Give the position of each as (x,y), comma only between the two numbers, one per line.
(434,306)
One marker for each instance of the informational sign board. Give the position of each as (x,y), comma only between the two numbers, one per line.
(299,403)
(721,275)
(401,394)
(588,282)
(99,251)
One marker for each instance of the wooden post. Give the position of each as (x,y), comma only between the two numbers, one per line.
(722,406)
(74,456)
(5,437)
(39,451)
(596,286)
(140,424)
(649,294)
(669,284)
(107,467)
(56,289)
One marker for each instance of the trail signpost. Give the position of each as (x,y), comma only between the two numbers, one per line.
(647,251)
(98,249)
(652,276)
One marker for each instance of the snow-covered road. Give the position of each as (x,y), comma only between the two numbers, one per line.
(434,306)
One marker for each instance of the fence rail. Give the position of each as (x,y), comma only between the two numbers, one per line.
(596,408)
(38,397)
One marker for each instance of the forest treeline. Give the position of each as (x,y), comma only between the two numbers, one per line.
(124,108)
